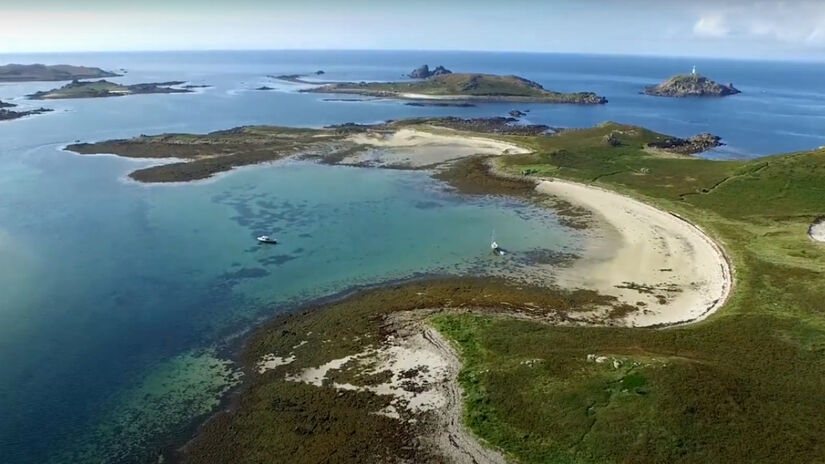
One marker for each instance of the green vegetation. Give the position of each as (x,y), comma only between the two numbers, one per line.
(465,86)
(103,88)
(744,386)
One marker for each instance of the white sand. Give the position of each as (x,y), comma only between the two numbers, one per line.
(270,361)
(417,148)
(422,96)
(637,243)
(817,230)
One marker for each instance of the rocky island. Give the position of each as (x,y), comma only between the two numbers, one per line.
(42,72)
(6,114)
(104,88)
(691,85)
(462,87)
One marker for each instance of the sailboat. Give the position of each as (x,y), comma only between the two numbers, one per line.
(497,250)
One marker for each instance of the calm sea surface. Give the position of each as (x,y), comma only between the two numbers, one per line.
(117,300)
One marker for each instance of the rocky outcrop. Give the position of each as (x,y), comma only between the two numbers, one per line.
(7,115)
(691,85)
(696,144)
(423,72)
(517,113)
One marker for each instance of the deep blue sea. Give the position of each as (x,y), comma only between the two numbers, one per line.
(118,300)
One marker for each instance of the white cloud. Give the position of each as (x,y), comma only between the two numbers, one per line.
(800,22)
(711,26)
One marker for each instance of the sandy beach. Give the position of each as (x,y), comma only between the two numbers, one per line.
(646,257)
(417,148)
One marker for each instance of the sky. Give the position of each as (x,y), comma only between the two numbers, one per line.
(753,29)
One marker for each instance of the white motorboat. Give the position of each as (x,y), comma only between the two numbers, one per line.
(267,239)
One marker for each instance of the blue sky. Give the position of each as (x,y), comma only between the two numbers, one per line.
(721,28)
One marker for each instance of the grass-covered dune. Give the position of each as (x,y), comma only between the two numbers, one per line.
(744,386)
(464,86)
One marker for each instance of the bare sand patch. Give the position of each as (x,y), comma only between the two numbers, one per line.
(416,148)
(667,267)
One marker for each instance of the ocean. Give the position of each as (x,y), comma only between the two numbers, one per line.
(121,303)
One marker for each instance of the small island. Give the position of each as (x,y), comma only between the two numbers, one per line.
(104,88)
(6,114)
(462,87)
(691,85)
(42,72)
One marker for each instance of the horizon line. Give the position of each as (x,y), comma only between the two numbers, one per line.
(525,52)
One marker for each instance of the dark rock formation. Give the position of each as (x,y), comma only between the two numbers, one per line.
(517,113)
(696,144)
(423,72)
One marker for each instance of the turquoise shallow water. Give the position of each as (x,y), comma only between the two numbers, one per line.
(118,297)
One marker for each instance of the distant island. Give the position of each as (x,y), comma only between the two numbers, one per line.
(104,88)
(691,85)
(457,86)
(42,72)
(6,114)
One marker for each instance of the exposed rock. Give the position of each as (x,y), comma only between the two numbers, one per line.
(691,85)
(319,72)
(696,144)
(7,115)
(517,113)
(612,139)
(423,72)
(817,230)
(264,87)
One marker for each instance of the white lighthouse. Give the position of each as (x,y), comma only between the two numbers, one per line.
(694,70)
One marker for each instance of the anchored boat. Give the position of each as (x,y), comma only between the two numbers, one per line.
(267,239)
(497,250)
